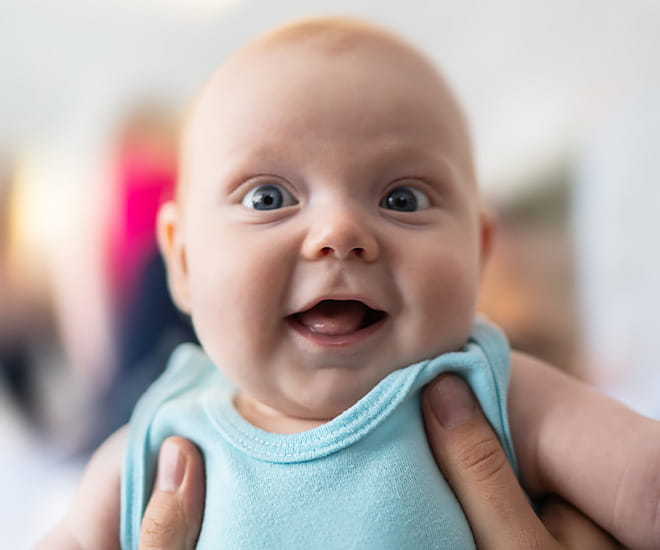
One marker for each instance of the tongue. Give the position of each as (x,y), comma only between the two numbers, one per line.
(333,318)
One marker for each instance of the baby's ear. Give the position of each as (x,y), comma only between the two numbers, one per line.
(488,230)
(169,231)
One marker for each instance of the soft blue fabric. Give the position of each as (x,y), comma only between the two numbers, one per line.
(366,479)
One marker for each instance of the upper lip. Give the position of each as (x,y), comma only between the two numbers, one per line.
(367,301)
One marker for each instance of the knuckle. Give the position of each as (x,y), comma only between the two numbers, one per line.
(531,541)
(483,459)
(531,538)
(160,526)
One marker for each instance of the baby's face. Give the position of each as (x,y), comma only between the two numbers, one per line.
(329,231)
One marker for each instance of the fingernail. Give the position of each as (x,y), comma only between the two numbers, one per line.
(452,402)
(171,467)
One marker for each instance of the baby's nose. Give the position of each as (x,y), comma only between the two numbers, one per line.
(341,234)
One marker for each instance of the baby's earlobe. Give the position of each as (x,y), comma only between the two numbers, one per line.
(170,242)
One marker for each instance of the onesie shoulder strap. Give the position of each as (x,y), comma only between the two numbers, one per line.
(187,368)
(495,346)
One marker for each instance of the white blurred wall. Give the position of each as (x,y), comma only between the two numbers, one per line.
(617,200)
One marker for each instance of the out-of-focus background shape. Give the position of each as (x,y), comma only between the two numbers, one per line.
(564,101)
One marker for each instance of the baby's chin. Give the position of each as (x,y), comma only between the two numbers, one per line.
(292,403)
(296,414)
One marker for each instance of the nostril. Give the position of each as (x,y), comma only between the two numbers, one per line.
(326,250)
(356,252)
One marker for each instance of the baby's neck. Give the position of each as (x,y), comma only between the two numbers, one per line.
(272,420)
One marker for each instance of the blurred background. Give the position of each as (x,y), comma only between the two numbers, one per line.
(564,102)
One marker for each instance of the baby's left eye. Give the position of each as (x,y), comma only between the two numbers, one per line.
(405,199)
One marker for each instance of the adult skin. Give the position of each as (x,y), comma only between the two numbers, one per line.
(465,447)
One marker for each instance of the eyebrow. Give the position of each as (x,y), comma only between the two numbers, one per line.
(424,157)
(389,148)
(395,158)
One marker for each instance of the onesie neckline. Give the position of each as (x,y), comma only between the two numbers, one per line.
(340,432)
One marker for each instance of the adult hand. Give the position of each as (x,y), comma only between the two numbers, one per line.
(473,462)
(173,516)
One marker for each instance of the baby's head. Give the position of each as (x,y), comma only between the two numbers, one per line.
(328,228)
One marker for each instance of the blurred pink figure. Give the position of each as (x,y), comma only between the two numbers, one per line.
(145,172)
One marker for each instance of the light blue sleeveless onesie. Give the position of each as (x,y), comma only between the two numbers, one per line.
(366,479)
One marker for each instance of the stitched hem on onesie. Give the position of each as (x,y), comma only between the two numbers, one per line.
(340,432)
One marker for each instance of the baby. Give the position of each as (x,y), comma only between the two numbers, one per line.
(328,241)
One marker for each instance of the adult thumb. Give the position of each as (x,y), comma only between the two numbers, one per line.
(173,516)
(475,466)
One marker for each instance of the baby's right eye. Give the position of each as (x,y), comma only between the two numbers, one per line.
(269,196)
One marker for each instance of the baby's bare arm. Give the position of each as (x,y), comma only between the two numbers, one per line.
(592,451)
(93,519)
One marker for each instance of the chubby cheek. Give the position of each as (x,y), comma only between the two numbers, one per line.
(237,288)
(442,302)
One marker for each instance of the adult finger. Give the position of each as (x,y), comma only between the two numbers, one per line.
(473,461)
(571,528)
(173,516)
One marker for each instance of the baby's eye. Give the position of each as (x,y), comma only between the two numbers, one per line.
(269,196)
(405,199)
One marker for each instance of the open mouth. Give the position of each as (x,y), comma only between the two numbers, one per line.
(336,318)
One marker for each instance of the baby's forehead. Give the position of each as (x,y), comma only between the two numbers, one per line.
(295,50)
(324,41)
(300,51)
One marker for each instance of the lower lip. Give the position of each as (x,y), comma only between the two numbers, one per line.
(337,341)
